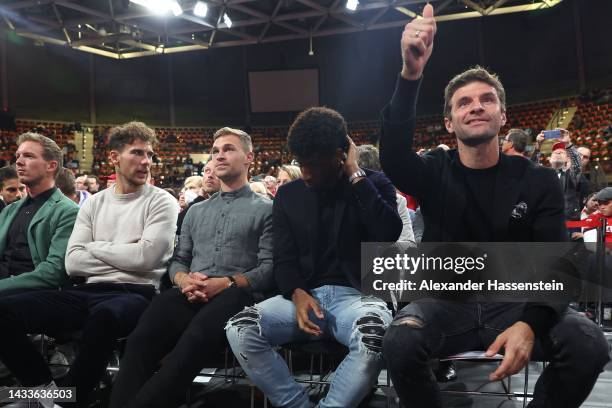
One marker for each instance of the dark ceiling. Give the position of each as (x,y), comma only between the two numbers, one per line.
(123,29)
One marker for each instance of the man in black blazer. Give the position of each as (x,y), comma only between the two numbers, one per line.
(474,194)
(319,224)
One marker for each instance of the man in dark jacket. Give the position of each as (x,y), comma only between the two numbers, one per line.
(474,194)
(319,224)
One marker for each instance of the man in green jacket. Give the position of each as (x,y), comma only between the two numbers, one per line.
(34,231)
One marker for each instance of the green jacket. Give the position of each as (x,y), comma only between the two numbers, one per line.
(48,235)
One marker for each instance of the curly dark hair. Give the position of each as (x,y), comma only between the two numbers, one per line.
(317,131)
(125,134)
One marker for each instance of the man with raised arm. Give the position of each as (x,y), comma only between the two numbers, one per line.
(474,194)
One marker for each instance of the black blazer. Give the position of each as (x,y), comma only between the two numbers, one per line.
(528,200)
(367,212)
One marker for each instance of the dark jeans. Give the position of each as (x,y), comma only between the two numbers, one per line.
(575,347)
(104,312)
(184,335)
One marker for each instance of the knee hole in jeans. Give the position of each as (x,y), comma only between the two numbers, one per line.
(248,317)
(410,321)
(372,329)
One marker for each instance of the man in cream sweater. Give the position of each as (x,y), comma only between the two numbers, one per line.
(118,249)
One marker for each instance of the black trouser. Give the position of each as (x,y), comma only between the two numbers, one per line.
(185,335)
(576,349)
(104,312)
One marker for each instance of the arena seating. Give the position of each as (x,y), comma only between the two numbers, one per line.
(588,128)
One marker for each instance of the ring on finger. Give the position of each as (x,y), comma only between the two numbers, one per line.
(417,33)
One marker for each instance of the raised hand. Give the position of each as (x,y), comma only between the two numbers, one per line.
(350,164)
(417,44)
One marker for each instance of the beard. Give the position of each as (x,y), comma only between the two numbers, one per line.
(209,189)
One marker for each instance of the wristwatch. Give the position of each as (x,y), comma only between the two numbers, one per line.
(232,281)
(357,174)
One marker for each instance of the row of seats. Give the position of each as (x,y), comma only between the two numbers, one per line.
(270,142)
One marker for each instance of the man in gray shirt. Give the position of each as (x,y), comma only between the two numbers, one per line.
(222,263)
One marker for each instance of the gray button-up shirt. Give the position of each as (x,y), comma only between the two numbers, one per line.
(227,234)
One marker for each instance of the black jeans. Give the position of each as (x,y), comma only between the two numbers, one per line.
(185,335)
(576,349)
(104,312)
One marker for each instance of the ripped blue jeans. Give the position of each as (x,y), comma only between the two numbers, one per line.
(351,318)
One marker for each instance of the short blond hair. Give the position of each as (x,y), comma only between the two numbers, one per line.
(259,188)
(245,139)
(51,151)
(293,172)
(193,181)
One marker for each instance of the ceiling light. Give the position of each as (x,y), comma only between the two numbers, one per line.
(161,6)
(227,20)
(200,9)
(156,6)
(352,4)
(175,8)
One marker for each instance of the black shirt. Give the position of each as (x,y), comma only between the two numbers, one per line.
(2,205)
(478,215)
(16,258)
(327,268)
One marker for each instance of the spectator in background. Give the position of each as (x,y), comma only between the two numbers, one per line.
(260,188)
(572,152)
(65,181)
(81,182)
(590,207)
(199,167)
(368,158)
(288,173)
(514,143)
(210,185)
(565,160)
(604,210)
(11,189)
(92,185)
(592,172)
(191,190)
(574,188)
(270,183)
(210,181)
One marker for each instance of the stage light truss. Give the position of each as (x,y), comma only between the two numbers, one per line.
(118,32)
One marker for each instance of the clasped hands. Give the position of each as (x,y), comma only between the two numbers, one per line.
(200,288)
